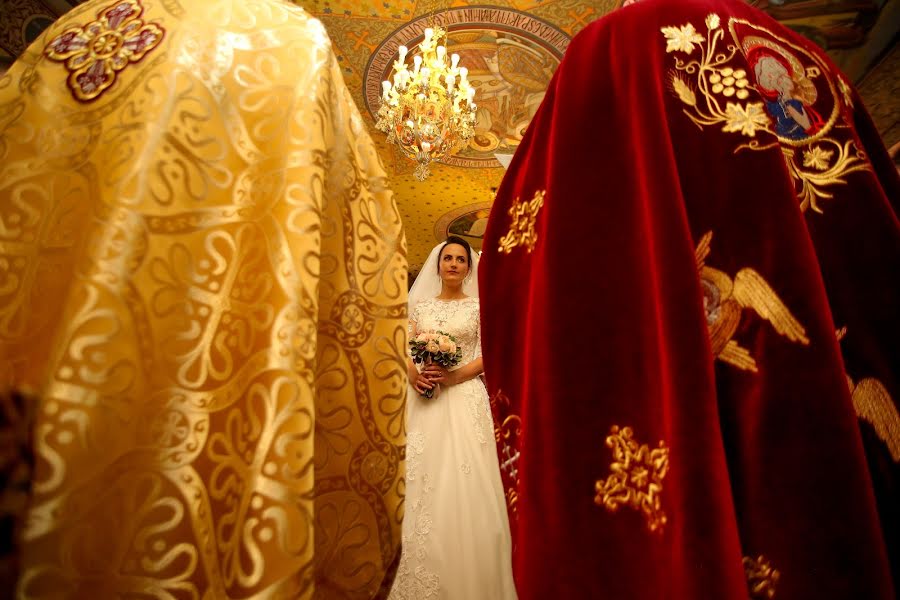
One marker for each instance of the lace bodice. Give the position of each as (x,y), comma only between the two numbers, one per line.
(459,318)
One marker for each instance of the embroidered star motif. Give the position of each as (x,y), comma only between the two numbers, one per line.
(636,479)
(95,53)
(521,230)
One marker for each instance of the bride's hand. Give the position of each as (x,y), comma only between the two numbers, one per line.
(439,374)
(421,383)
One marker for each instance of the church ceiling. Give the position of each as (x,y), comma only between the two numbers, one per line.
(511,48)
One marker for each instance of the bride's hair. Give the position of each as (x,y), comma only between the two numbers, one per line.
(456,240)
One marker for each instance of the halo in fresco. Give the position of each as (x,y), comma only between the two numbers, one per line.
(511,57)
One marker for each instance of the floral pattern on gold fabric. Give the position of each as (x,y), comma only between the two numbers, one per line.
(95,53)
(771,91)
(203,279)
(522,228)
(762,578)
(724,300)
(637,477)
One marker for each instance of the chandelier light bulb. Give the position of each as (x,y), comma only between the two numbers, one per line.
(427,111)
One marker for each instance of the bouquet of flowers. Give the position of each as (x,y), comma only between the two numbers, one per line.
(435,347)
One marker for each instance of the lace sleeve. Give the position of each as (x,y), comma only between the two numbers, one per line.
(411,328)
(477,331)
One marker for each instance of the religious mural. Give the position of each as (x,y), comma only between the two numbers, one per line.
(511,57)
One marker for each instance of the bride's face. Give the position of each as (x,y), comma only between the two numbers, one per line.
(454,264)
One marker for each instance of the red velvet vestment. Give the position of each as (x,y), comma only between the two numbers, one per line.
(690,295)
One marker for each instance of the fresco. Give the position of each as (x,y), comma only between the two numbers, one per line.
(511,57)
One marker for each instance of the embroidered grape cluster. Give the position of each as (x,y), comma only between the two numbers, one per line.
(729,82)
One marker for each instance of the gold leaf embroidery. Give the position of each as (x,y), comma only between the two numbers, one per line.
(681,39)
(747,119)
(812,183)
(724,300)
(712,76)
(636,478)
(521,230)
(762,577)
(817,158)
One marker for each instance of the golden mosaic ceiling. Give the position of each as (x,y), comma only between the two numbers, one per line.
(511,62)
(511,48)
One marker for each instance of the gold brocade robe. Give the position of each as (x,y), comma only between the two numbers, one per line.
(203,287)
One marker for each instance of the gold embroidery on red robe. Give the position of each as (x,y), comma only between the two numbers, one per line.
(521,230)
(725,299)
(762,577)
(636,478)
(95,53)
(506,434)
(873,404)
(764,84)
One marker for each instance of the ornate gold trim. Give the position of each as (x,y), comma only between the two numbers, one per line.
(95,53)
(762,577)
(636,478)
(521,230)
(506,434)
(818,172)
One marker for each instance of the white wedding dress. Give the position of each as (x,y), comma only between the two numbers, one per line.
(456,542)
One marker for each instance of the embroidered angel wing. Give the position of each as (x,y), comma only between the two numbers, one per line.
(737,356)
(702,250)
(874,405)
(752,291)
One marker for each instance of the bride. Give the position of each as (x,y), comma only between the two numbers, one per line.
(456,542)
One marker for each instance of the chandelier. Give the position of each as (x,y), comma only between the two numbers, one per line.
(428,111)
